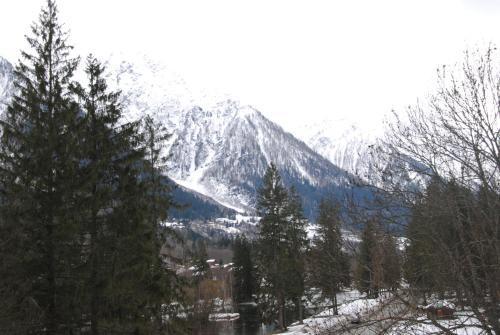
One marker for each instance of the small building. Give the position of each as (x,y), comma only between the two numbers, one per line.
(440,309)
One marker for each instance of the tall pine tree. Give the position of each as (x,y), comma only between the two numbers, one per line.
(80,204)
(296,237)
(164,285)
(40,187)
(99,148)
(272,248)
(281,243)
(329,263)
(366,271)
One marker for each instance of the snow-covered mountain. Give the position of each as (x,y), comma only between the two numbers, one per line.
(224,152)
(220,148)
(357,147)
(347,144)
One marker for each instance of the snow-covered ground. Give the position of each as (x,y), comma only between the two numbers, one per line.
(351,305)
(464,323)
(381,315)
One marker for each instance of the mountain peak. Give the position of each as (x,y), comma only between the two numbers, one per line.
(234,108)
(346,143)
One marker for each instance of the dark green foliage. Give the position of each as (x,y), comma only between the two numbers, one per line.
(81,204)
(126,281)
(428,266)
(378,265)
(98,149)
(391,264)
(296,237)
(418,267)
(452,244)
(244,272)
(329,265)
(39,184)
(365,271)
(160,188)
(272,251)
(281,243)
(163,285)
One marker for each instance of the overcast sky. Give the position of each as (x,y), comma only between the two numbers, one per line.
(293,60)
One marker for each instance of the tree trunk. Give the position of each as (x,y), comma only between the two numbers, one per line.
(301,311)
(51,309)
(51,320)
(281,313)
(94,303)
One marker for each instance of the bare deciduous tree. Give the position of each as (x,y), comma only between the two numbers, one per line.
(455,141)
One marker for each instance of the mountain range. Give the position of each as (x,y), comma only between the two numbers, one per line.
(220,148)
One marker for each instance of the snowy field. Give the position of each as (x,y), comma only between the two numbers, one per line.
(464,323)
(351,305)
(381,315)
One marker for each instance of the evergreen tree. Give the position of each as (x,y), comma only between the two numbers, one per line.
(366,271)
(391,262)
(442,256)
(244,276)
(164,285)
(418,260)
(281,243)
(39,213)
(120,240)
(329,264)
(115,154)
(160,199)
(272,240)
(296,238)
(378,265)
(98,149)
(82,202)
(143,286)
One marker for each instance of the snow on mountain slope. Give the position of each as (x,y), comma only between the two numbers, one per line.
(355,147)
(226,150)
(345,143)
(221,148)
(150,87)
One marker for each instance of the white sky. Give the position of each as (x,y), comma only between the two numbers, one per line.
(293,60)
